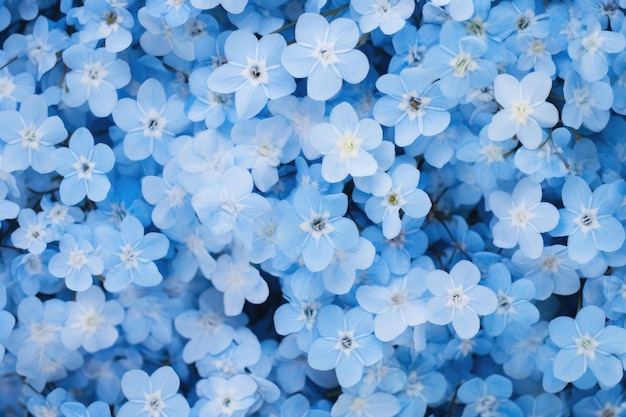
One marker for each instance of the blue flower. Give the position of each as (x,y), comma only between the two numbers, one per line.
(589,51)
(522,217)
(344,143)
(239,281)
(206,105)
(150,123)
(208,330)
(91,321)
(401,194)
(153,395)
(227,397)
(316,227)
(30,136)
(173,13)
(525,110)
(586,343)
(396,306)
(172,202)
(95,77)
(253,72)
(95,409)
(379,404)
(76,261)
(588,220)
(389,15)
(586,103)
(458,61)
(227,204)
(84,167)
(41,46)
(346,343)
(513,300)
(129,254)
(413,104)
(324,54)
(488,397)
(554,272)
(109,21)
(33,233)
(261,145)
(458,299)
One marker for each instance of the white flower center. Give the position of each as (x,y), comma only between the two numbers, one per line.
(462,64)
(521,111)
(129,257)
(325,54)
(317,225)
(413,104)
(93,74)
(255,72)
(586,345)
(76,259)
(493,153)
(30,137)
(154,404)
(84,167)
(587,220)
(346,342)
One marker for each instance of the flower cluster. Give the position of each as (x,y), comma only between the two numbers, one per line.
(315,208)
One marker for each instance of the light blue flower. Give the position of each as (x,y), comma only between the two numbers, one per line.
(346,343)
(129,254)
(344,143)
(401,195)
(316,227)
(458,299)
(522,217)
(152,395)
(150,122)
(587,343)
(253,72)
(30,136)
(84,167)
(389,15)
(413,104)
(324,54)
(95,77)
(525,110)
(588,219)
(91,321)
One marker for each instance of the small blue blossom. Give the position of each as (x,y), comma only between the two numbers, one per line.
(152,395)
(324,54)
(95,77)
(128,255)
(30,136)
(525,110)
(344,143)
(150,122)
(586,343)
(76,261)
(458,299)
(401,194)
(84,167)
(316,227)
(91,321)
(389,15)
(522,217)
(253,72)
(588,220)
(413,104)
(346,343)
